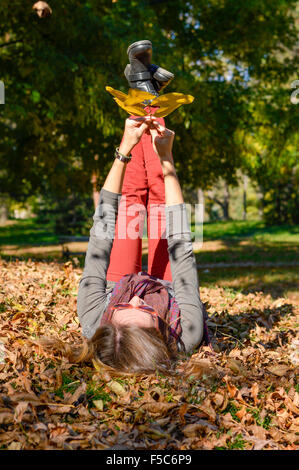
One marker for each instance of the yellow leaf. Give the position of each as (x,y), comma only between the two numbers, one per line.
(133,103)
(116,93)
(136,110)
(138,96)
(96,366)
(169,102)
(19,307)
(171,98)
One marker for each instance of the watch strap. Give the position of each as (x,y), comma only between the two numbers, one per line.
(121,156)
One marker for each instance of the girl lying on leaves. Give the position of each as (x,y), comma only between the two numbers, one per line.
(137,322)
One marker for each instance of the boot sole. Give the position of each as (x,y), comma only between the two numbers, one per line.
(163,75)
(139,47)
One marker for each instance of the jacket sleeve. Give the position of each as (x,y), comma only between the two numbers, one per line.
(92,288)
(184,275)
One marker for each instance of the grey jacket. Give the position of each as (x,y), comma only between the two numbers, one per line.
(94,291)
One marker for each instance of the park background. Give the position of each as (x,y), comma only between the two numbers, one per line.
(236,151)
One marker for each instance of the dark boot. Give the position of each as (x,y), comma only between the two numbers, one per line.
(143,75)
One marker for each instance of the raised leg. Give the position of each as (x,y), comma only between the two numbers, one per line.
(127,246)
(158,259)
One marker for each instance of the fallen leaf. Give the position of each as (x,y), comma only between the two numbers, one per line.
(99,404)
(254,392)
(159,408)
(117,388)
(279,369)
(192,430)
(15,446)
(21,408)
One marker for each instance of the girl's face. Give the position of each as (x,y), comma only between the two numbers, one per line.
(133,316)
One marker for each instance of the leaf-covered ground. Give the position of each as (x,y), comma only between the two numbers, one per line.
(244,395)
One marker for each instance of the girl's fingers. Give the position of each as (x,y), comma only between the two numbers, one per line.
(143,126)
(154,132)
(159,126)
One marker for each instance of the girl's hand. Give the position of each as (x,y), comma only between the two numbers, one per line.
(134,128)
(162,139)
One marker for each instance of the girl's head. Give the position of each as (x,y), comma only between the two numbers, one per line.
(133,340)
(125,349)
(131,349)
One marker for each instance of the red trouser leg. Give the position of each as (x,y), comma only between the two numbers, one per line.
(158,259)
(127,246)
(143,189)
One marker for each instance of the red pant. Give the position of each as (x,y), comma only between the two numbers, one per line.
(143,191)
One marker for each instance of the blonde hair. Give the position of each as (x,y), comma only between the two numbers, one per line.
(125,349)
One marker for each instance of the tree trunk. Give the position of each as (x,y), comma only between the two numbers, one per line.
(245,183)
(95,192)
(3,213)
(225,205)
(201,198)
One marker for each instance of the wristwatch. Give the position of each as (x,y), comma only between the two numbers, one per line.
(121,156)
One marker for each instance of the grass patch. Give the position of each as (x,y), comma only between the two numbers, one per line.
(255,230)
(69,385)
(94,392)
(237,443)
(232,409)
(27,232)
(264,423)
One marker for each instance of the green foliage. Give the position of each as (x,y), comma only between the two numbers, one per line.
(263,422)
(232,409)
(237,443)
(94,392)
(58,116)
(255,230)
(68,385)
(68,216)
(28,232)
(271,155)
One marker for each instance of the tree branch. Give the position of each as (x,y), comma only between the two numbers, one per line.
(10,43)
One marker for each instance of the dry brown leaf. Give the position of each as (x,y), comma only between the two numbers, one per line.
(232,390)
(78,393)
(159,408)
(280,370)
(291,406)
(117,388)
(257,431)
(254,392)
(6,417)
(241,413)
(182,412)
(197,367)
(99,404)
(15,446)
(217,399)
(201,426)
(207,408)
(236,366)
(20,409)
